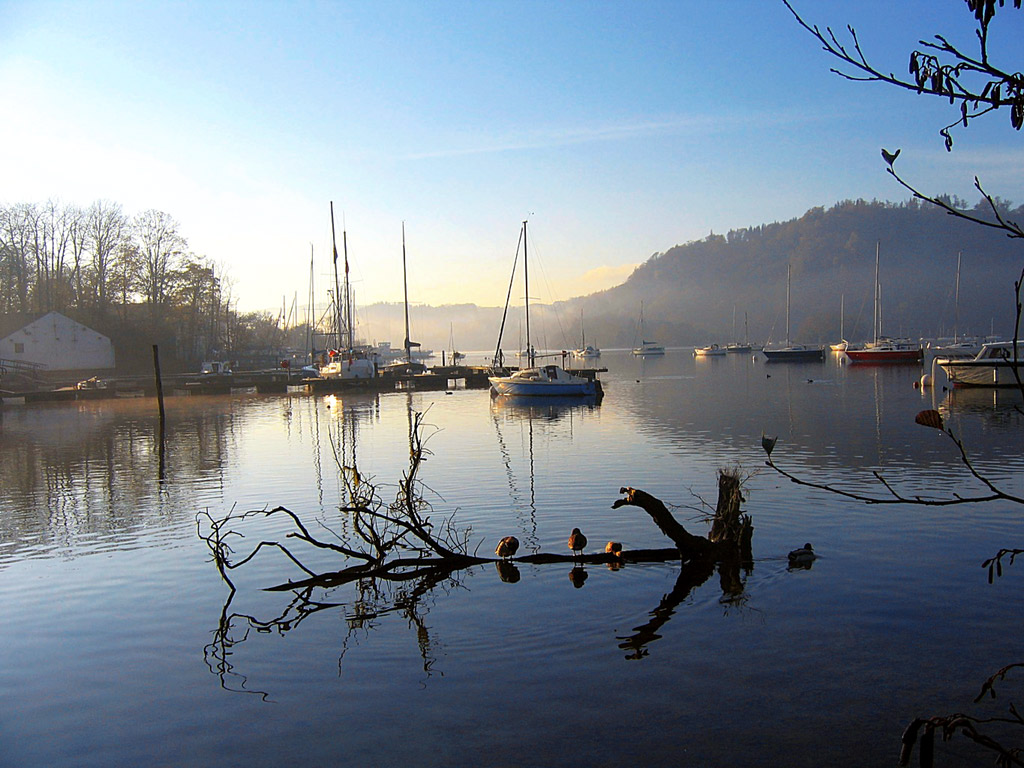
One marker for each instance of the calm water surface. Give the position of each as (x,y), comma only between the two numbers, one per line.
(120,646)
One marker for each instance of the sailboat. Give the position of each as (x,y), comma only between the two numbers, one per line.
(408,366)
(959,347)
(842,345)
(534,380)
(882,349)
(793,353)
(454,356)
(646,348)
(585,351)
(738,346)
(345,361)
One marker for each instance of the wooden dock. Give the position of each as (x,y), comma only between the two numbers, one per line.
(264,382)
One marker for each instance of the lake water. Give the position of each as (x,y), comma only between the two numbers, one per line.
(120,646)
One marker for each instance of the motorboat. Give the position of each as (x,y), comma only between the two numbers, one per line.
(587,352)
(711,350)
(996,365)
(347,365)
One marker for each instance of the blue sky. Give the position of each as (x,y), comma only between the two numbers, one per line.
(619,129)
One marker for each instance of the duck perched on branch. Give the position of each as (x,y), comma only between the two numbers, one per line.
(577,541)
(507,547)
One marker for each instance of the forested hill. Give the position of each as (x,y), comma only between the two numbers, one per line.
(702,291)
(691,290)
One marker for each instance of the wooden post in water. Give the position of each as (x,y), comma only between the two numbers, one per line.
(159,387)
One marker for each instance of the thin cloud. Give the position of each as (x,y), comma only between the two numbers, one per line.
(560,137)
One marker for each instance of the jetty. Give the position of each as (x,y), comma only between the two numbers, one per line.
(271,381)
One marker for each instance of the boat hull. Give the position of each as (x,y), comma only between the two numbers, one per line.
(887,356)
(981,373)
(504,385)
(794,355)
(649,350)
(712,351)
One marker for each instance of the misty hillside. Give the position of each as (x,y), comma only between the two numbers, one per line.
(700,292)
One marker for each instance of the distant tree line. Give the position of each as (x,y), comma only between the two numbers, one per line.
(132,278)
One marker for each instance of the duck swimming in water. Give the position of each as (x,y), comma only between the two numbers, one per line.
(803,556)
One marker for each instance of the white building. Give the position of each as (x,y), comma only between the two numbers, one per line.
(56,343)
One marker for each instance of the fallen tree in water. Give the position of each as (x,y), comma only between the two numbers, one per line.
(399,542)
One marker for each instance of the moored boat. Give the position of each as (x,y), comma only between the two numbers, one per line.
(347,361)
(887,351)
(792,353)
(646,348)
(996,365)
(534,380)
(543,380)
(711,350)
(882,349)
(587,352)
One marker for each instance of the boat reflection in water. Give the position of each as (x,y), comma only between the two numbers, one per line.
(982,401)
(544,407)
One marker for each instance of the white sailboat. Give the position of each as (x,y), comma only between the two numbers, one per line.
(345,362)
(646,348)
(585,351)
(842,345)
(536,380)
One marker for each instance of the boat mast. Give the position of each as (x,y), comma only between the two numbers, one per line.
(499,361)
(878,309)
(956,300)
(310,336)
(405,287)
(348,296)
(789,271)
(337,293)
(526,284)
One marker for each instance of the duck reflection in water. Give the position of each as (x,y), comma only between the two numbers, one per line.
(507,572)
(578,575)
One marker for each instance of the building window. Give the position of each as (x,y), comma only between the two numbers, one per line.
(19,348)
